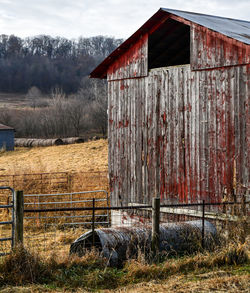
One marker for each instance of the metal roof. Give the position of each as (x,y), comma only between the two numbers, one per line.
(5,127)
(233,28)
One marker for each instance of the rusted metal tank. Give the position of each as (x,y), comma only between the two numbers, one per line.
(120,243)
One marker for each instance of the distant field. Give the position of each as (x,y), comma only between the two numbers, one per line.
(89,156)
(20,101)
(13,101)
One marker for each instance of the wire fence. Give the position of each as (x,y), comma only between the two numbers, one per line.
(53,221)
(230,221)
(43,230)
(60,183)
(55,182)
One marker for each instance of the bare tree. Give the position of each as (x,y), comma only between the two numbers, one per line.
(76,110)
(99,110)
(34,95)
(5,116)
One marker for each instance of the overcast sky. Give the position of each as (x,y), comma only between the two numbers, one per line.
(118,18)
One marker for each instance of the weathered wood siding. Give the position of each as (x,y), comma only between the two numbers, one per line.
(132,63)
(210,49)
(179,133)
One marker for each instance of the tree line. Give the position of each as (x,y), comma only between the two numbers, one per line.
(47,62)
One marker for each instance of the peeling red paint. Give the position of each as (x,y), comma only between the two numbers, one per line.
(124,64)
(215,50)
(122,86)
(195,140)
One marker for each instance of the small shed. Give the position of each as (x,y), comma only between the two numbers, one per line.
(178,95)
(7,135)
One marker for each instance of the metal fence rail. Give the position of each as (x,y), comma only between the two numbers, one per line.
(130,207)
(6,250)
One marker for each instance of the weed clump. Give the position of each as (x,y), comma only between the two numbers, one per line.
(234,254)
(21,267)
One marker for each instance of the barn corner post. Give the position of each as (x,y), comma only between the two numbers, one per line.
(155,245)
(18,212)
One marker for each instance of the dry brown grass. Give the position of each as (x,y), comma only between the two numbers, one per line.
(89,156)
(50,242)
(67,273)
(220,281)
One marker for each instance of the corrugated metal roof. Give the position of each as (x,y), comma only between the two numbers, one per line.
(233,28)
(5,127)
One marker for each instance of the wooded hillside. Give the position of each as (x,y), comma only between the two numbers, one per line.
(47,62)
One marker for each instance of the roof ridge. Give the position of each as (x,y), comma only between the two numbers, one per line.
(3,126)
(203,14)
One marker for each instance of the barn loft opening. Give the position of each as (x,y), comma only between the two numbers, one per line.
(169,45)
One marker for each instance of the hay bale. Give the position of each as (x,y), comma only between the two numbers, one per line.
(36,142)
(72,140)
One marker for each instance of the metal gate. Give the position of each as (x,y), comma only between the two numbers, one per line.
(7,227)
(66,200)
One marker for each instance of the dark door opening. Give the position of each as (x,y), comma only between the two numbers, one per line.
(169,45)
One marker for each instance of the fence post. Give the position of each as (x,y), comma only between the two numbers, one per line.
(93,223)
(69,181)
(155,245)
(243,232)
(203,225)
(18,217)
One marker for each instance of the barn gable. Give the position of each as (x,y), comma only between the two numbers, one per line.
(204,41)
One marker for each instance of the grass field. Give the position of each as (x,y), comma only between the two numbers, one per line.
(84,157)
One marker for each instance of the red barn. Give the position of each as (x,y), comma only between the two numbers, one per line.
(178,92)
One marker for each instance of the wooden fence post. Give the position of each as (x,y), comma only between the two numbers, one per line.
(69,181)
(243,230)
(18,217)
(93,223)
(203,225)
(155,226)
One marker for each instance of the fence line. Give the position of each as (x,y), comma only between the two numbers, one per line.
(130,207)
(132,211)
(131,214)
